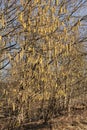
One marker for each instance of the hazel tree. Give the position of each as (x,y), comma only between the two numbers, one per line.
(41,47)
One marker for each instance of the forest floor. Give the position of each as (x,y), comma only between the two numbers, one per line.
(76,121)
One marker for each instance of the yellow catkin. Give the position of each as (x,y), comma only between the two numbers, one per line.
(21,17)
(13,105)
(57,2)
(0,37)
(24,25)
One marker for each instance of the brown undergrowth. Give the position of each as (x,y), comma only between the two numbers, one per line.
(77,120)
